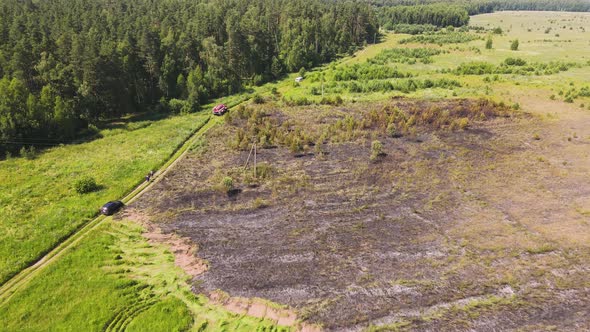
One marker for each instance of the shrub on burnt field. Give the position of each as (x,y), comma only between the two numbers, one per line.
(376,150)
(462,124)
(239,113)
(346,129)
(269,131)
(335,101)
(393,122)
(301,101)
(227,184)
(259,203)
(264,171)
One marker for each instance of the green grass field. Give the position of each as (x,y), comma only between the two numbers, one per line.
(38,203)
(116,280)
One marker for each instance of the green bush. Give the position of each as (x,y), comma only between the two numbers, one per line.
(393,131)
(405,86)
(513,66)
(258,99)
(28,153)
(263,170)
(300,101)
(489,43)
(514,62)
(376,150)
(514,45)
(404,55)
(259,203)
(463,123)
(227,183)
(86,185)
(177,106)
(441,38)
(335,101)
(367,71)
(296,145)
(302,72)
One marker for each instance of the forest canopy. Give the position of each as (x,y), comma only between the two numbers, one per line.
(65,64)
(440,15)
(393,14)
(475,7)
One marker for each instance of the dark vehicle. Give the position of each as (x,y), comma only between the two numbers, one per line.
(220,109)
(111,207)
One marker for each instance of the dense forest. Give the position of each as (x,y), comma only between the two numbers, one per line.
(393,14)
(440,15)
(474,7)
(65,64)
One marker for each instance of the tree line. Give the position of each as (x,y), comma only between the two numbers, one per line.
(475,7)
(440,15)
(443,13)
(65,64)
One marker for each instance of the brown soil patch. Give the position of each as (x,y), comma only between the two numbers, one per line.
(184,249)
(262,309)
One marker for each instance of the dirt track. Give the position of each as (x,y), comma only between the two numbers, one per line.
(481,229)
(9,288)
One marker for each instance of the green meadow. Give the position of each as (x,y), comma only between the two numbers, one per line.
(38,203)
(116,281)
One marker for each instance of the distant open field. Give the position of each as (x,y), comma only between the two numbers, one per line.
(566,42)
(469,213)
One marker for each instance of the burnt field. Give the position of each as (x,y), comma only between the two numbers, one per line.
(455,223)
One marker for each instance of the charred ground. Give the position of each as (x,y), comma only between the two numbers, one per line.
(415,237)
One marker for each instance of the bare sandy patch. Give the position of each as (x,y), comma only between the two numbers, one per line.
(184,249)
